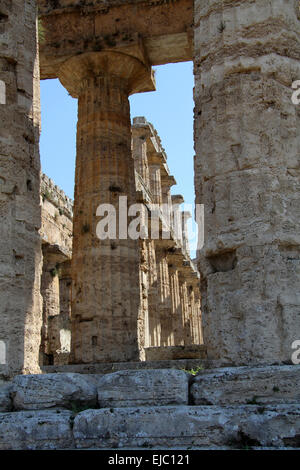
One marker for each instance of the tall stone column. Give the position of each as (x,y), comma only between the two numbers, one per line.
(51,304)
(155,183)
(167,181)
(20,211)
(195,311)
(153,311)
(186,215)
(177,323)
(177,199)
(62,356)
(184,297)
(197,333)
(139,149)
(164,295)
(105,273)
(54,294)
(247,170)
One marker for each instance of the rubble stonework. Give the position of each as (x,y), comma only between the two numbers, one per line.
(20,246)
(246,134)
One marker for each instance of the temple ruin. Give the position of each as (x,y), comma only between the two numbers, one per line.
(81,305)
(103,53)
(168,325)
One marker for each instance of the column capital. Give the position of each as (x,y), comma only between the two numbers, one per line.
(78,69)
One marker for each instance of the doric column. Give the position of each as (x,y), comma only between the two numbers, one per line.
(198,337)
(177,200)
(50,291)
(167,181)
(194,299)
(184,298)
(153,311)
(185,233)
(164,295)
(143,319)
(62,353)
(177,321)
(248,177)
(155,183)
(20,211)
(140,132)
(105,273)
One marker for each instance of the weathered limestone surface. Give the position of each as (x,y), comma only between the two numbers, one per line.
(143,388)
(57,216)
(37,430)
(5,398)
(240,385)
(173,353)
(78,27)
(154,408)
(35,392)
(167,426)
(108,368)
(20,213)
(247,175)
(105,272)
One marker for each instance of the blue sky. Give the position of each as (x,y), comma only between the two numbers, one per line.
(169,108)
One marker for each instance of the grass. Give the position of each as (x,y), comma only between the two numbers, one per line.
(194,371)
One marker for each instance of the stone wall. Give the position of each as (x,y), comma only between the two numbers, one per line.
(57,215)
(247,176)
(20,244)
(56,282)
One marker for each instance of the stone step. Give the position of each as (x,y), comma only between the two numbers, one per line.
(153,387)
(69,390)
(169,353)
(36,430)
(185,427)
(157,387)
(197,426)
(247,385)
(5,397)
(143,388)
(109,367)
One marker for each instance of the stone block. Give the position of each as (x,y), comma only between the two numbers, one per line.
(5,399)
(37,430)
(171,353)
(186,426)
(242,385)
(69,390)
(143,388)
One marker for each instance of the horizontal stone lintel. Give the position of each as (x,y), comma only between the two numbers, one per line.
(165,29)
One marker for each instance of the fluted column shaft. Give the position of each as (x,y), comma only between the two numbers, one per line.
(155,183)
(164,296)
(51,305)
(186,333)
(177,323)
(105,272)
